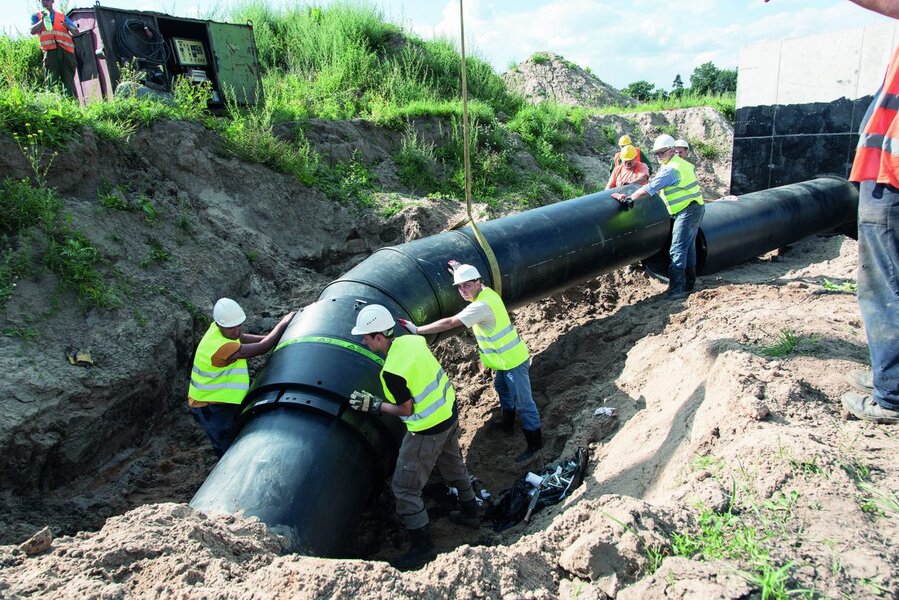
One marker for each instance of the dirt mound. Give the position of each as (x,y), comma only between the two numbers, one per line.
(546,76)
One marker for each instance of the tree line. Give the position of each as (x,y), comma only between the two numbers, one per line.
(706,79)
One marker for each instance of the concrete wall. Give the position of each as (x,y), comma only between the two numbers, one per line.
(800,102)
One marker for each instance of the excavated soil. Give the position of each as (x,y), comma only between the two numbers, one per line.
(106,457)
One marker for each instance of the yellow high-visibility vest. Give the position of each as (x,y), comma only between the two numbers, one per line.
(500,348)
(432,393)
(678,197)
(208,383)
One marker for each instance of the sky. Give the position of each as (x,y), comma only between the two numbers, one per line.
(621,42)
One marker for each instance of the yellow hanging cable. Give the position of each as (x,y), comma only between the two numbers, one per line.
(491,257)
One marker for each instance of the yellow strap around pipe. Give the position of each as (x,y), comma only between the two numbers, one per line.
(482,241)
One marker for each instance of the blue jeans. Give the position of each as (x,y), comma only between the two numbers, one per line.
(514,390)
(217,420)
(878,285)
(683,236)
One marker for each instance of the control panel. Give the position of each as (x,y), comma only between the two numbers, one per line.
(190,52)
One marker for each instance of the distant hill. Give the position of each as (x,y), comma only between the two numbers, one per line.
(547,76)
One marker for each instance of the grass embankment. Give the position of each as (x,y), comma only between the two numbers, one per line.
(339,62)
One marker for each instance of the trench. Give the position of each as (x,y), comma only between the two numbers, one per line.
(173,464)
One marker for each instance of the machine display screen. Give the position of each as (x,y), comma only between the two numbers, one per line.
(190,52)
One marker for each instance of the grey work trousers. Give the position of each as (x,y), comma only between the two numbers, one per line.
(418,455)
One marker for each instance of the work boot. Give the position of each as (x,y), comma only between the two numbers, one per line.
(863,381)
(864,407)
(535,442)
(420,553)
(505,421)
(690,274)
(468,515)
(677,284)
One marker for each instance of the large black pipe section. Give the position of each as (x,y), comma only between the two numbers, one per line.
(733,232)
(306,464)
(303,462)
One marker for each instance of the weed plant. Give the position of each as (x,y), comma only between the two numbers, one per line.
(785,343)
(20,62)
(32,223)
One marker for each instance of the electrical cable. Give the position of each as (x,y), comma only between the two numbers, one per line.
(131,41)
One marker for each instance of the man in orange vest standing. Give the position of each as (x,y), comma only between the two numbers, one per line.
(876,169)
(56,31)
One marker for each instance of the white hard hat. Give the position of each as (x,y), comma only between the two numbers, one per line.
(682,143)
(228,313)
(464,273)
(663,142)
(373,318)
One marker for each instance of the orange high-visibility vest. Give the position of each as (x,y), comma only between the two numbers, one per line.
(877,154)
(58,36)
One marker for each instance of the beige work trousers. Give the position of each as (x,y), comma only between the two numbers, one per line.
(418,455)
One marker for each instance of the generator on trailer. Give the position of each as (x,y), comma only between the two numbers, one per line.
(154,50)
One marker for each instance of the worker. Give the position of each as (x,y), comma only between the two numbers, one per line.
(623,141)
(629,170)
(220,379)
(500,348)
(681,148)
(418,391)
(677,185)
(56,30)
(876,169)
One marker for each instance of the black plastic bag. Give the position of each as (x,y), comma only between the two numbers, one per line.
(558,480)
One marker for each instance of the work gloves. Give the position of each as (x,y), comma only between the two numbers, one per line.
(409,326)
(365,402)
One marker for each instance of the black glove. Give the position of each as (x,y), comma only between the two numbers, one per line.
(365,402)
(626,204)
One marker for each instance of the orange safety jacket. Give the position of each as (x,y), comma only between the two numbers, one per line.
(58,36)
(877,154)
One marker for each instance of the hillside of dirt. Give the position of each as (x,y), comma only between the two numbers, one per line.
(707,428)
(546,76)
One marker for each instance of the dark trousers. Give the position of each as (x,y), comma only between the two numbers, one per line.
(218,421)
(878,285)
(59,70)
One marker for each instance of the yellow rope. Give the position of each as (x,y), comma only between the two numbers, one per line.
(491,257)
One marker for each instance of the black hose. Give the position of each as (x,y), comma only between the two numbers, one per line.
(131,41)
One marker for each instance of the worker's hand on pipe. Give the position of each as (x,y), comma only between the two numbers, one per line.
(453,265)
(624,200)
(365,402)
(409,326)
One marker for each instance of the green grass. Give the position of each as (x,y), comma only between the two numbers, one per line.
(725,104)
(848,287)
(339,61)
(33,226)
(785,344)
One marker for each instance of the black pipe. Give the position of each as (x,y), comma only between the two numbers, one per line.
(733,232)
(304,463)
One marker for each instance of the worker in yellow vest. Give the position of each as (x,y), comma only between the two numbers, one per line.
(220,378)
(418,391)
(56,30)
(500,348)
(678,187)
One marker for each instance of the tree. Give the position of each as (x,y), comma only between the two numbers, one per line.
(640,90)
(677,88)
(709,79)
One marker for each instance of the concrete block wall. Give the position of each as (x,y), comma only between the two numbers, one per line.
(800,103)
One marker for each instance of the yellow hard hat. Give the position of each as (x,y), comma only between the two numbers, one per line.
(628,153)
(625,140)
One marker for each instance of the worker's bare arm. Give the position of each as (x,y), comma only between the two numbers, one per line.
(397,410)
(888,8)
(444,324)
(266,343)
